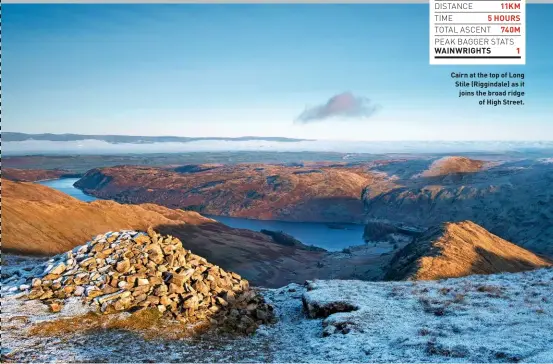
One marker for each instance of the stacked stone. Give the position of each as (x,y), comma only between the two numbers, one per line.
(129,271)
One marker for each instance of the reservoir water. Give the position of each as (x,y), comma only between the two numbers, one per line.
(65,185)
(317,234)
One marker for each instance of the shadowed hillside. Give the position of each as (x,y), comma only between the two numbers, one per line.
(512,199)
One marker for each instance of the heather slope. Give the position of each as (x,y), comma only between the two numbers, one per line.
(319,193)
(460,249)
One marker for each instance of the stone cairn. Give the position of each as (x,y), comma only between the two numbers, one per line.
(131,271)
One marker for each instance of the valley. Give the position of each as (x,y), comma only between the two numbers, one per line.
(507,193)
(276,183)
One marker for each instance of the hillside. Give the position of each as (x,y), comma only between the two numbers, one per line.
(39,220)
(451,165)
(33,175)
(270,192)
(457,250)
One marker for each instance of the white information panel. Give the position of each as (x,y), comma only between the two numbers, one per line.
(477,32)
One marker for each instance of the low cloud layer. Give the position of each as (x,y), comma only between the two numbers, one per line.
(344,105)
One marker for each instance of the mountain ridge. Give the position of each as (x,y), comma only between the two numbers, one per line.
(454,250)
(116,139)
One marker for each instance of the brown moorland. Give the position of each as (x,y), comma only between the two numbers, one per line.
(324,193)
(460,249)
(450,165)
(33,175)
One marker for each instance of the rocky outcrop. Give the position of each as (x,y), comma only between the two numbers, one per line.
(316,309)
(130,271)
(387,231)
(460,249)
(33,175)
(270,192)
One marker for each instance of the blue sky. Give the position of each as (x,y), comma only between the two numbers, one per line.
(235,70)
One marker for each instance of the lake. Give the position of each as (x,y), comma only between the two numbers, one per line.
(318,234)
(309,233)
(65,185)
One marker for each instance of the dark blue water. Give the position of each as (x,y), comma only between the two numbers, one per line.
(317,234)
(309,233)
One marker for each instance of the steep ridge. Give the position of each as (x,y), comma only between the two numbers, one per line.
(270,192)
(39,220)
(457,250)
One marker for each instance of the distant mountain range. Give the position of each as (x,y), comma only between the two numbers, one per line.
(117,139)
(28,144)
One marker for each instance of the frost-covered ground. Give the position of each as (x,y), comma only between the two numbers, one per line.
(499,318)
